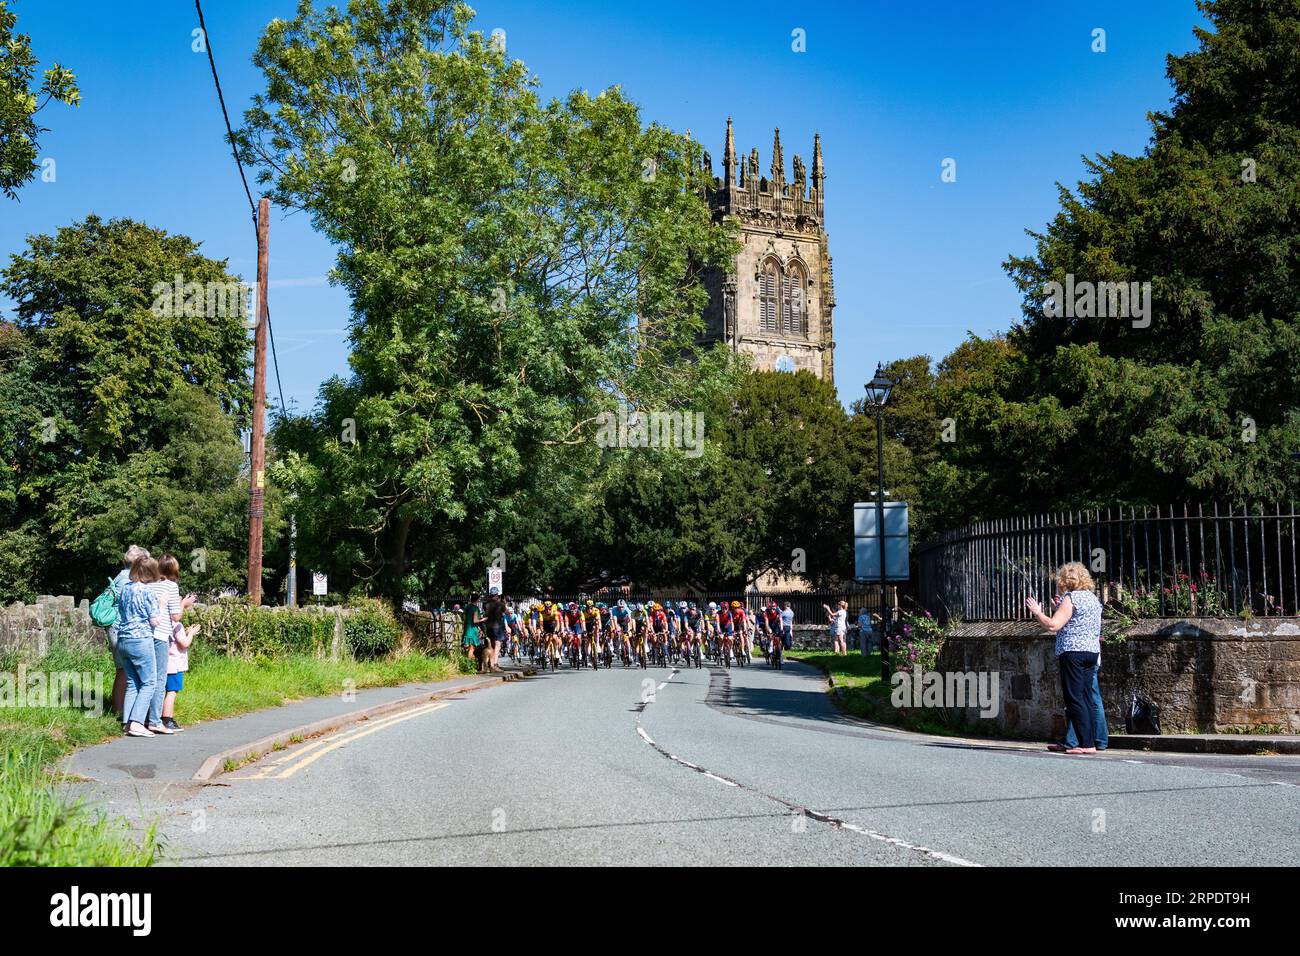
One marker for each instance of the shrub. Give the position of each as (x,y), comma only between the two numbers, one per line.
(372,630)
(234,628)
(915,639)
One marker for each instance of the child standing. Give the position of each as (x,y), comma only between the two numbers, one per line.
(178,662)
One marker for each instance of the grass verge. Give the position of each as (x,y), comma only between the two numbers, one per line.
(857,689)
(39,826)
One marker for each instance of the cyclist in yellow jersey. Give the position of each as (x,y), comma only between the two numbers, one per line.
(591,618)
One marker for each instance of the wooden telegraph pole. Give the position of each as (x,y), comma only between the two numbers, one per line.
(257,457)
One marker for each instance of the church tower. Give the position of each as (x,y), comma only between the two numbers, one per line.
(775,302)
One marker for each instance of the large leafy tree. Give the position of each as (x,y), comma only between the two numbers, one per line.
(1205,401)
(516,269)
(109,404)
(21,98)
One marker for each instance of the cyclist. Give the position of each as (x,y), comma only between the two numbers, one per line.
(552,630)
(741,621)
(591,621)
(674,626)
(620,619)
(513,627)
(659,625)
(709,625)
(691,639)
(639,632)
(573,628)
(726,632)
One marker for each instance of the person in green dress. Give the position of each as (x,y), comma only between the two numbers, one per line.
(473,639)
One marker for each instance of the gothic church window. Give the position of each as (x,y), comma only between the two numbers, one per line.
(768,287)
(793,300)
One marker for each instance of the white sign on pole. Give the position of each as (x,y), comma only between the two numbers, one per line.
(319,584)
(495,576)
(867,541)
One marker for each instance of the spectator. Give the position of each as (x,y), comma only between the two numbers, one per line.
(473,639)
(864,628)
(138,614)
(178,644)
(838,620)
(1099,715)
(1076,622)
(172,607)
(787,627)
(494,616)
(119,582)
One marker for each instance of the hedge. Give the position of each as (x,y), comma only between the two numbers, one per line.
(236,629)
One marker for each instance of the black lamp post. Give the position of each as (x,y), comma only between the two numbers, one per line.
(878,391)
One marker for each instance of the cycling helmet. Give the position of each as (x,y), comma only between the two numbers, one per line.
(735,604)
(622,603)
(682,605)
(590,603)
(713,605)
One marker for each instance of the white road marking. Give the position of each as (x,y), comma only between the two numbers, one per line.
(645,736)
(663,684)
(902,844)
(714,776)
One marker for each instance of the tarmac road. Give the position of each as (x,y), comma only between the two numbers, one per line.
(747,766)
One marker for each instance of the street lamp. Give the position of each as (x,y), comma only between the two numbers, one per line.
(878,392)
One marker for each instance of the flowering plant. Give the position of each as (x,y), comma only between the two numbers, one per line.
(915,639)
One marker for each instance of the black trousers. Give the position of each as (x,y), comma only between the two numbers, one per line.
(1077,668)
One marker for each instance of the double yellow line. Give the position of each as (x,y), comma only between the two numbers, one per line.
(305,756)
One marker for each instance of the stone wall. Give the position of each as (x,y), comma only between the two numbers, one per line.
(29,627)
(1208,675)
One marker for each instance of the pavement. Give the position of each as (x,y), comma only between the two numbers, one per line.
(200,751)
(703,766)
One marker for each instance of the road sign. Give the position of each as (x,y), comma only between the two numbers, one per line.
(495,576)
(867,538)
(320,584)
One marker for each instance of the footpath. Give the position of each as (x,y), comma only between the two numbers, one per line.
(203,750)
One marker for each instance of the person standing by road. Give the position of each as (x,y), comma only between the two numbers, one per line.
(494,616)
(472,640)
(1076,622)
(138,614)
(787,626)
(838,620)
(119,582)
(171,606)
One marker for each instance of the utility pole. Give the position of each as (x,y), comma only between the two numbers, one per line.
(292,600)
(257,457)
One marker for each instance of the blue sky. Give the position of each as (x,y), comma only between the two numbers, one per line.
(1011,90)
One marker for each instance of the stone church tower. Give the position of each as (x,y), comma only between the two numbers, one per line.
(776,301)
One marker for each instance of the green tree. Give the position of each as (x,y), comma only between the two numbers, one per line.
(111,398)
(1204,402)
(20,101)
(516,268)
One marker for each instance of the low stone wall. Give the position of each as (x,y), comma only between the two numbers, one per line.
(29,627)
(1208,675)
